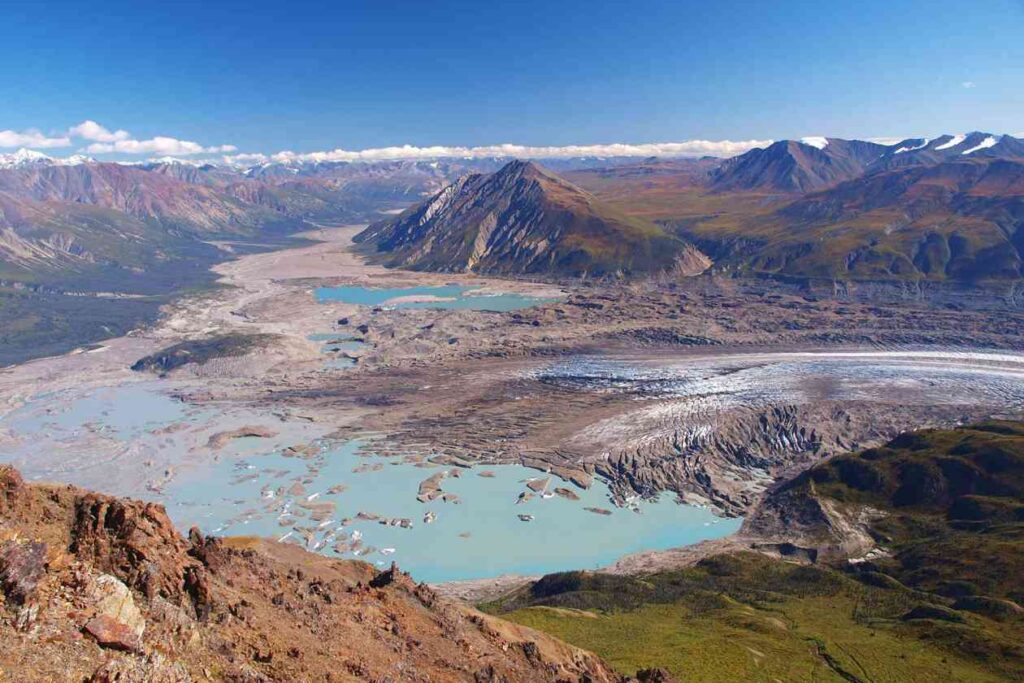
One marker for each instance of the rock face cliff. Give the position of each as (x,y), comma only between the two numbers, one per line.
(96,588)
(524,219)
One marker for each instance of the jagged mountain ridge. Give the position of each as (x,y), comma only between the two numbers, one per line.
(523,219)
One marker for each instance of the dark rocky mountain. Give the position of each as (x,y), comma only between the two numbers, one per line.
(524,219)
(797,166)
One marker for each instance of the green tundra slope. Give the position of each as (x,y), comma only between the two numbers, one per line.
(941,602)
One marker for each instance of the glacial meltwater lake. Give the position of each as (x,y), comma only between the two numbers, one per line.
(442,297)
(120,440)
(480,535)
(136,439)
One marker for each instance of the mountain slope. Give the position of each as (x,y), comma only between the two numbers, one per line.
(960,220)
(797,166)
(523,219)
(100,589)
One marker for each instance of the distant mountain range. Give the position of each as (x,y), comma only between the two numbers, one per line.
(84,224)
(944,209)
(818,163)
(525,219)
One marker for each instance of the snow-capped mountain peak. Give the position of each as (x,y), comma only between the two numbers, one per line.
(913,145)
(28,158)
(24,157)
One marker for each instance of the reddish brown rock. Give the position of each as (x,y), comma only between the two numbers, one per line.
(153,669)
(113,634)
(22,565)
(134,541)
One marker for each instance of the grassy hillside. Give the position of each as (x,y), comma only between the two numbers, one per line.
(940,603)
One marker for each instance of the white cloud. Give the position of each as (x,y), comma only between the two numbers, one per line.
(90,130)
(968,85)
(691,148)
(159,145)
(105,141)
(31,138)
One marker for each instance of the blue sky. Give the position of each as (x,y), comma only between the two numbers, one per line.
(304,76)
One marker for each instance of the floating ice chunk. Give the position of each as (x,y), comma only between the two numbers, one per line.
(387,551)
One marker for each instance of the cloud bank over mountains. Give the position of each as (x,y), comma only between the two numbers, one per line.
(720,148)
(94,138)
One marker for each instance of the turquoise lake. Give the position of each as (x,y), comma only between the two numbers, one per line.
(447,297)
(249,488)
(480,536)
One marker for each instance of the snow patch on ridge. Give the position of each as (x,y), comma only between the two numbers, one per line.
(953,142)
(815,141)
(924,144)
(984,144)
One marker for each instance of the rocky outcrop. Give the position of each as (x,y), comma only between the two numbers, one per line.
(134,541)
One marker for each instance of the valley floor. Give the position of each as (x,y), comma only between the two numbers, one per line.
(708,390)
